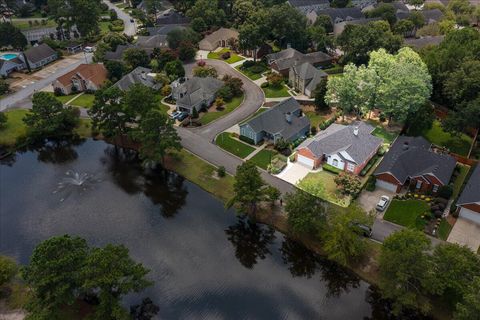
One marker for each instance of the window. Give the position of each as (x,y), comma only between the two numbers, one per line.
(419,184)
(435,188)
(335,162)
(350,167)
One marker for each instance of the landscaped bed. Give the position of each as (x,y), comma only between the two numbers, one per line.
(274,92)
(436,135)
(322,185)
(387,136)
(315,118)
(263,158)
(253,72)
(226,141)
(229,107)
(218,56)
(408,213)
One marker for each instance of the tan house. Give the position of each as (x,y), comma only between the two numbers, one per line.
(85,77)
(220,38)
(305,77)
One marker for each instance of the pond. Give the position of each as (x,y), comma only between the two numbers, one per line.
(206,262)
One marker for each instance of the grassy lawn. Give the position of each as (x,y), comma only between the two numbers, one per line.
(85,100)
(315,118)
(263,158)
(407,213)
(201,173)
(24,25)
(322,185)
(229,144)
(14,129)
(444,229)
(229,107)
(218,56)
(252,75)
(459,145)
(271,92)
(457,185)
(65,99)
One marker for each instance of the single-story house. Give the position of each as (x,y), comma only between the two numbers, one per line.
(151,42)
(420,43)
(9,66)
(73,47)
(430,16)
(219,38)
(282,61)
(195,93)
(411,162)
(336,15)
(164,29)
(171,16)
(139,75)
(348,148)
(469,201)
(40,55)
(305,6)
(84,77)
(284,121)
(305,78)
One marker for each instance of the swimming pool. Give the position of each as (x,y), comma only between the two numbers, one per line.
(8,56)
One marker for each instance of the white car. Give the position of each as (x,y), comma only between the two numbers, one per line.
(88,49)
(383,203)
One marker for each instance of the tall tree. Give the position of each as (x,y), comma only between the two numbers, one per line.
(306,213)
(319,94)
(140,99)
(469,308)
(248,188)
(209,11)
(12,36)
(251,36)
(174,69)
(8,270)
(135,57)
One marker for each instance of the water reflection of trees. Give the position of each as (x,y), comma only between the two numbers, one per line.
(337,279)
(59,151)
(162,187)
(250,240)
(300,261)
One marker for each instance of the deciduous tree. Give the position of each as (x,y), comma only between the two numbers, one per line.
(306,213)
(248,188)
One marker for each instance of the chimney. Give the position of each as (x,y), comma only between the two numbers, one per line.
(289,45)
(143,75)
(405,145)
(355,131)
(288,117)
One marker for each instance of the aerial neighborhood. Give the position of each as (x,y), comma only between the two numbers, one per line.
(348,130)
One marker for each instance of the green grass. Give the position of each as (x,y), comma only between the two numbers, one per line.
(407,213)
(19,295)
(457,185)
(271,92)
(121,5)
(229,107)
(65,99)
(444,229)
(84,129)
(247,72)
(315,118)
(85,100)
(218,56)
(436,135)
(322,185)
(387,136)
(236,147)
(202,174)
(14,129)
(24,25)
(263,158)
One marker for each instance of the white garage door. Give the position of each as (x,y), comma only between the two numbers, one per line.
(470,215)
(305,161)
(386,185)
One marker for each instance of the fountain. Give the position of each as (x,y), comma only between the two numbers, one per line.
(75,181)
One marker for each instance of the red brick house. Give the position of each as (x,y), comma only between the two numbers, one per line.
(469,201)
(347,148)
(411,162)
(84,77)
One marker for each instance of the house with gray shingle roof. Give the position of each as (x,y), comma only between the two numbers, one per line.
(151,42)
(305,78)
(411,162)
(336,15)
(305,6)
(139,75)
(469,200)
(284,121)
(347,148)
(420,43)
(40,55)
(195,93)
(220,38)
(283,60)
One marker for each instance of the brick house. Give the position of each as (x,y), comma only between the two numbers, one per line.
(85,77)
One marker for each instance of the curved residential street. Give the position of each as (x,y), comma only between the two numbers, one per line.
(130,27)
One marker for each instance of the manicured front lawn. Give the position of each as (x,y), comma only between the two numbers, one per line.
(271,92)
(407,213)
(85,100)
(263,158)
(234,146)
(65,99)
(249,71)
(322,185)
(14,129)
(315,118)
(457,184)
(201,173)
(24,25)
(229,107)
(444,229)
(436,135)
(218,56)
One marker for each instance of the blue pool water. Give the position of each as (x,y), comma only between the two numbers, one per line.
(8,56)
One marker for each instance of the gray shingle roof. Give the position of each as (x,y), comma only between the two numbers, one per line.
(40,52)
(411,156)
(342,13)
(138,75)
(338,138)
(423,42)
(287,58)
(471,192)
(150,42)
(307,3)
(198,89)
(171,16)
(164,30)
(306,71)
(117,54)
(273,121)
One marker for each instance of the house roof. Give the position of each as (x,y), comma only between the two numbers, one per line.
(342,13)
(339,27)
(40,52)
(171,16)
(306,3)
(138,75)
(150,42)
(96,73)
(430,16)
(274,120)
(220,34)
(117,54)
(287,58)
(164,30)
(411,156)
(341,139)
(197,89)
(423,42)
(306,71)
(471,192)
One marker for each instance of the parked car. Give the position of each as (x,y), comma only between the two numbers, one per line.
(362,229)
(383,203)
(175,115)
(182,116)
(88,49)
(131,20)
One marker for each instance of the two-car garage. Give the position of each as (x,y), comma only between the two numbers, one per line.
(386,185)
(303,160)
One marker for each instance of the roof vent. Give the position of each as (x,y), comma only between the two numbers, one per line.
(405,145)
(288,117)
(355,131)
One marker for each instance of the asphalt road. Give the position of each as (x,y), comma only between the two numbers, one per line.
(130,27)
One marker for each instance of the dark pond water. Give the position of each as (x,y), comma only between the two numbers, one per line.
(206,262)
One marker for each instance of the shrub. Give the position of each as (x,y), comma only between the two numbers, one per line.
(331,168)
(275,80)
(257,69)
(247,140)
(225,93)
(313,130)
(226,55)
(445,192)
(369,165)
(371,183)
(219,102)
(348,184)
(201,63)
(381,151)
(292,157)
(58,92)
(438,214)
(264,85)
(247,64)
(221,171)
(166,91)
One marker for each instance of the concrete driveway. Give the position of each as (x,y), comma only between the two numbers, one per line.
(368,200)
(294,172)
(465,233)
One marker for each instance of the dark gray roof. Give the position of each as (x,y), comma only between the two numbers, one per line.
(411,156)
(117,54)
(197,89)
(171,16)
(287,58)
(306,71)
(342,13)
(150,42)
(471,192)
(273,121)
(138,75)
(40,52)
(432,15)
(341,139)
(307,3)
(423,42)
(164,30)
